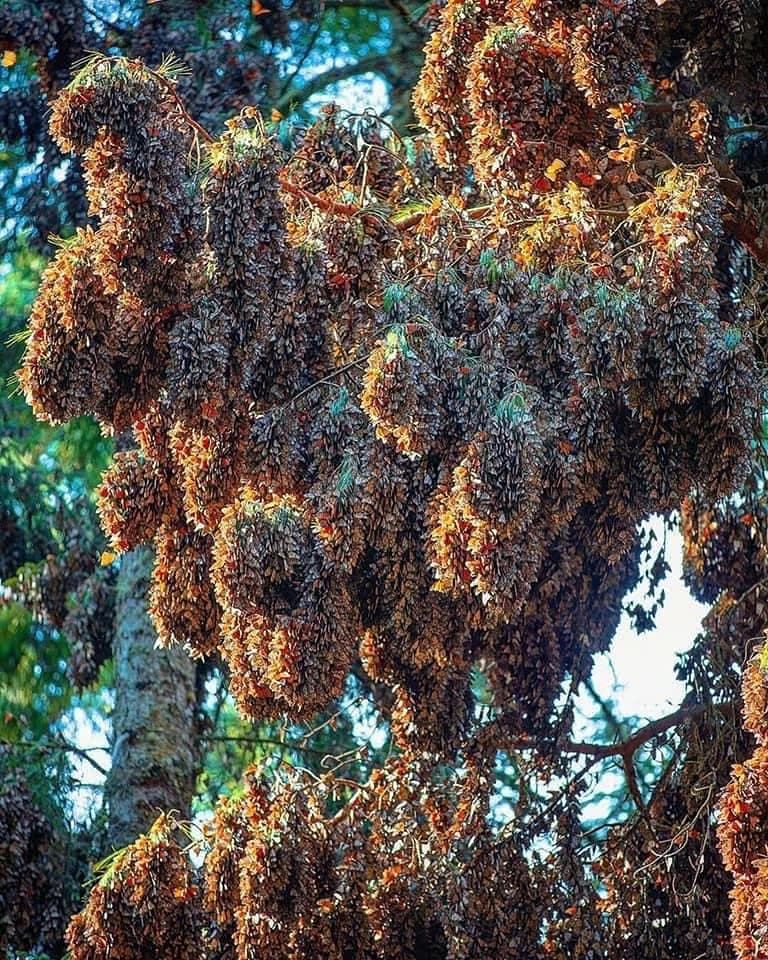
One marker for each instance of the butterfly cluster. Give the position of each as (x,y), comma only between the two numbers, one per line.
(407,403)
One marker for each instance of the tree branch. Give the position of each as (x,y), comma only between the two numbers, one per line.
(63,745)
(302,60)
(107,23)
(626,749)
(605,707)
(269,742)
(346,71)
(170,86)
(405,14)
(748,128)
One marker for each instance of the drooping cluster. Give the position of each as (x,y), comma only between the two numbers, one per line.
(511,87)
(667,888)
(284,877)
(724,542)
(742,843)
(143,905)
(232,63)
(33,900)
(724,562)
(436,438)
(50,563)
(88,626)
(740,616)
(106,306)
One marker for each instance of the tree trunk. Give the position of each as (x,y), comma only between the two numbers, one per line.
(154,747)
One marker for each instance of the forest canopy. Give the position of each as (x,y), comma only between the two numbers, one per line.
(390,399)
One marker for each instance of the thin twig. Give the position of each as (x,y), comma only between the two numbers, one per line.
(63,745)
(346,71)
(266,741)
(405,14)
(107,23)
(170,86)
(302,60)
(329,378)
(748,128)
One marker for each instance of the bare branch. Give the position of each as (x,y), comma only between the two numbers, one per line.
(626,749)
(370,64)
(62,745)
(267,742)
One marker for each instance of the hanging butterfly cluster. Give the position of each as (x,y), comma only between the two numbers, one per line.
(34,899)
(725,561)
(51,567)
(148,898)
(406,868)
(232,63)
(409,402)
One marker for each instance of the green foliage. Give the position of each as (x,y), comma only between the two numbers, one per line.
(34,689)
(46,474)
(18,286)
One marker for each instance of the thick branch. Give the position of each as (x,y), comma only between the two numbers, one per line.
(322,203)
(626,749)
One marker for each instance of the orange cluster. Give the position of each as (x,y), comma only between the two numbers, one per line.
(724,561)
(34,899)
(284,877)
(430,445)
(88,626)
(530,79)
(288,615)
(144,905)
(742,836)
(101,321)
(484,533)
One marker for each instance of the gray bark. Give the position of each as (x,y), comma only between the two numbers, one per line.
(154,747)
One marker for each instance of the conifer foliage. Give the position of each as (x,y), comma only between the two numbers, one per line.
(407,403)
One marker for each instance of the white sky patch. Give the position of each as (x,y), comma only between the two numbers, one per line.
(639,670)
(89,733)
(367,92)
